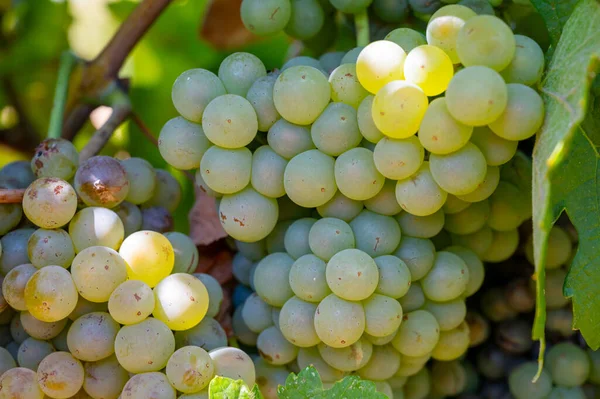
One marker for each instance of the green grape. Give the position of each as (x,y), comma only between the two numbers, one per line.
(304,61)
(208,335)
(269,377)
(384,203)
(248,252)
(352,275)
(239,327)
(366,125)
(186,252)
(17,174)
(312,357)
(7,361)
(345,87)
(17,331)
(351,6)
(101,181)
(479,241)
(275,312)
(296,241)
(167,192)
(142,177)
(336,130)
(238,71)
(60,375)
(181,301)
(181,144)
(229,121)
(149,256)
(145,346)
(95,226)
(391,11)
(275,348)
(460,172)
(523,116)
(20,382)
(447,279)
(449,378)
(398,109)
(276,240)
(477,96)
(84,307)
(131,302)
(444,26)
(50,294)
(441,240)
(13,249)
(146,385)
(470,220)
(339,323)
(448,314)
(247,215)
(215,293)
(55,158)
(521,382)
(424,7)
(383,315)
(527,65)
(267,172)
(328,236)
(331,60)
(439,132)
(97,272)
(568,364)
(350,358)
(352,56)
(306,20)
(481,7)
(226,171)
(10,215)
(559,248)
(567,393)
(508,208)
(12,348)
(430,68)
(233,363)
(190,369)
(383,364)
(418,254)
(104,378)
(418,334)
(594,357)
(193,90)
(31,352)
(496,307)
(496,150)
(40,329)
(485,189)
(378,64)
(260,96)
(301,94)
(271,279)
(13,285)
(130,216)
(504,244)
(49,202)
(265,17)
(92,336)
(289,140)
(485,40)
(296,322)
(418,386)
(256,313)
(420,194)
(398,159)
(375,234)
(340,207)
(394,277)
(421,226)
(454,204)
(307,278)
(380,341)
(475,266)
(452,343)
(406,38)
(412,365)
(309,179)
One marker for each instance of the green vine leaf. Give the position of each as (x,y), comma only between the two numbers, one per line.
(563,144)
(226,388)
(556,14)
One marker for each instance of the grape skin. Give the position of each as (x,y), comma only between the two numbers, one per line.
(104,378)
(260,96)
(101,181)
(296,322)
(336,130)
(32,351)
(91,337)
(306,20)
(439,132)
(398,159)
(149,256)
(296,239)
(328,236)
(461,172)
(268,169)
(339,323)
(447,279)
(352,275)
(350,358)
(180,301)
(233,363)
(60,375)
(289,140)
(50,294)
(430,68)
(275,348)
(398,109)
(406,38)
(193,90)
(420,194)
(148,385)
(238,71)
(307,278)
(40,329)
(215,293)
(265,17)
(523,115)
(97,272)
(383,315)
(182,144)
(13,285)
(20,382)
(190,369)
(309,179)
(50,202)
(167,192)
(55,158)
(345,86)
(229,121)
(380,63)
(418,334)
(226,171)
(383,364)
(142,179)
(444,26)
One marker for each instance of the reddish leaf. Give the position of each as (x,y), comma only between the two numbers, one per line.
(222,25)
(205,227)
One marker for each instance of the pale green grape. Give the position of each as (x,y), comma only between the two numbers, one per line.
(7,361)
(190,369)
(49,202)
(406,38)
(307,278)
(476,96)
(230,121)
(449,378)
(418,334)
(449,315)
(421,226)
(50,294)
(443,28)
(256,313)
(336,130)
(375,234)
(378,64)
(265,17)
(167,192)
(20,382)
(249,252)
(13,349)
(366,125)
(475,266)
(276,240)
(13,249)
(297,322)
(523,116)
(447,279)
(351,6)
(481,7)
(233,363)
(301,93)
(145,346)
(331,60)
(193,90)
(267,172)
(306,20)
(496,150)
(309,179)
(260,96)
(247,215)
(384,203)
(207,335)
(131,216)
(142,176)
(418,254)
(269,377)
(568,364)
(101,181)
(391,11)
(13,285)
(394,277)
(430,68)
(527,64)
(521,382)
(226,171)
(181,144)
(340,207)
(275,348)
(418,386)
(60,375)
(180,301)
(420,194)
(238,71)
(215,293)
(423,9)
(398,159)
(339,323)
(479,241)
(17,331)
(504,244)
(439,132)
(97,272)
(239,327)
(104,378)
(382,365)
(328,236)
(92,336)
(454,204)
(312,357)
(594,357)
(32,351)
(383,315)
(84,307)
(55,158)
(289,140)
(131,302)
(303,61)
(271,279)
(485,189)
(275,312)
(567,393)
(345,87)
(186,252)
(95,226)
(559,248)
(349,358)
(460,172)
(485,40)
(10,214)
(296,239)
(40,329)
(398,109)
(352,56)
(508,208)
(148,385)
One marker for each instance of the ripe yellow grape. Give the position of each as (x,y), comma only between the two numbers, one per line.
(50,294)
(181,301)
(398,109)
(444,25)
(430,68)
(149,256)
(380,63)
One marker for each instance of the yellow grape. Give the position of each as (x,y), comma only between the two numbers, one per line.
(430,68)
(181,301)
(149,256)
(50,294)
(398,109)
(379,63)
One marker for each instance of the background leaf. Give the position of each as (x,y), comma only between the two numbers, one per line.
(555,14)
(226,388)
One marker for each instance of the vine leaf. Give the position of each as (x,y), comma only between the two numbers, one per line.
(226,388)
(565,175)
(555,13)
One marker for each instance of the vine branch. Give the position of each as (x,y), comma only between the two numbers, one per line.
(67,61)
(361,21)
(11,196)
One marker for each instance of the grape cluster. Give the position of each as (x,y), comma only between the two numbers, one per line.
(99,297)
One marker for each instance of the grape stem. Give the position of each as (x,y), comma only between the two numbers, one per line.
(361,21)
(11,196)
(67,61)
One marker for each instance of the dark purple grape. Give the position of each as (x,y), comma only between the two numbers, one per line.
(495,390)
(102,181)
(17,174)
(495,306)
(492,362)
(157,218)
(519,295)
(514,336)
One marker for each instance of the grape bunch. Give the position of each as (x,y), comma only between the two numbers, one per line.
(99,297)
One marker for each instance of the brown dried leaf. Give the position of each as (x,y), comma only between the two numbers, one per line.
(222,25)
(205,227)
